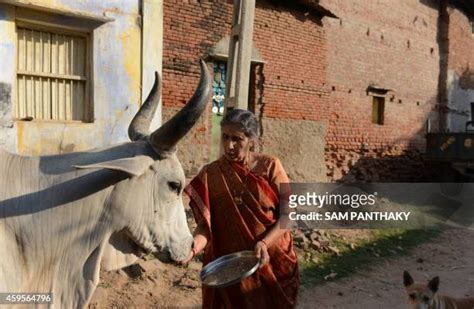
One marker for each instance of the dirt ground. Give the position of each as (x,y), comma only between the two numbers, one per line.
(450,256)
(152,284)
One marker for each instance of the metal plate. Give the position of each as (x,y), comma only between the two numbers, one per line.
(229,269)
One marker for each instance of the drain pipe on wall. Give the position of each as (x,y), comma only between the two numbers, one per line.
(443,46)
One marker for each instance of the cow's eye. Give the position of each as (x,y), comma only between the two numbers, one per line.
(426,299)
(412,296)
(175,186)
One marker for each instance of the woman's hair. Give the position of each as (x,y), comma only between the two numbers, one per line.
(245,119)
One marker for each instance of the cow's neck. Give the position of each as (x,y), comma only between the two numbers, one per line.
(53,222)
(72,249)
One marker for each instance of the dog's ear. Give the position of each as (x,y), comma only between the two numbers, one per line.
(434,284)
(407,279)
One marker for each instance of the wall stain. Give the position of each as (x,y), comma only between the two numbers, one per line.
(5,97)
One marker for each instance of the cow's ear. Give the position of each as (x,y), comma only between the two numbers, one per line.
(135,166)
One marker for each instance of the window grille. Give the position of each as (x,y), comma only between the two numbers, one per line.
(52,75)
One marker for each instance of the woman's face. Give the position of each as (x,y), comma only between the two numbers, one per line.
(235,143)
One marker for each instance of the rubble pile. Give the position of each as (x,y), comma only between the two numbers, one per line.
(317,240)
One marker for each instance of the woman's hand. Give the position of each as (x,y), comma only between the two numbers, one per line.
(261,252)
(199,242)
(188,258)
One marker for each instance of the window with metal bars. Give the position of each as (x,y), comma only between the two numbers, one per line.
(53,75)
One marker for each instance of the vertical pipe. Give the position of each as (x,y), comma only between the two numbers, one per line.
(238,69)
(231,63)
(443,46)
(245,53)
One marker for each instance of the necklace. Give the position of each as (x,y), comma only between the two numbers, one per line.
(239,193)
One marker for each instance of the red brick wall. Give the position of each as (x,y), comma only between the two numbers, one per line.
(461,47)
(292,44)
(391,44)
(294,49)
(320,71)
(190,30)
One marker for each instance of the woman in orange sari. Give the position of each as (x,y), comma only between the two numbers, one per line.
(235,203)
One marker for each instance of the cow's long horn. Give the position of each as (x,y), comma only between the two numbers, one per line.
(139,127)
(165,138)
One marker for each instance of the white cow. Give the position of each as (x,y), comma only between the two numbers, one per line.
(64,217)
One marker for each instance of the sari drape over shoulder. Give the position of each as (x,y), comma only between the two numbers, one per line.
(239,207)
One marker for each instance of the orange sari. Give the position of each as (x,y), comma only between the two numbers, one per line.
(239,207)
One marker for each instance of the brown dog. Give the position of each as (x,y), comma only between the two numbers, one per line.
(425,296)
